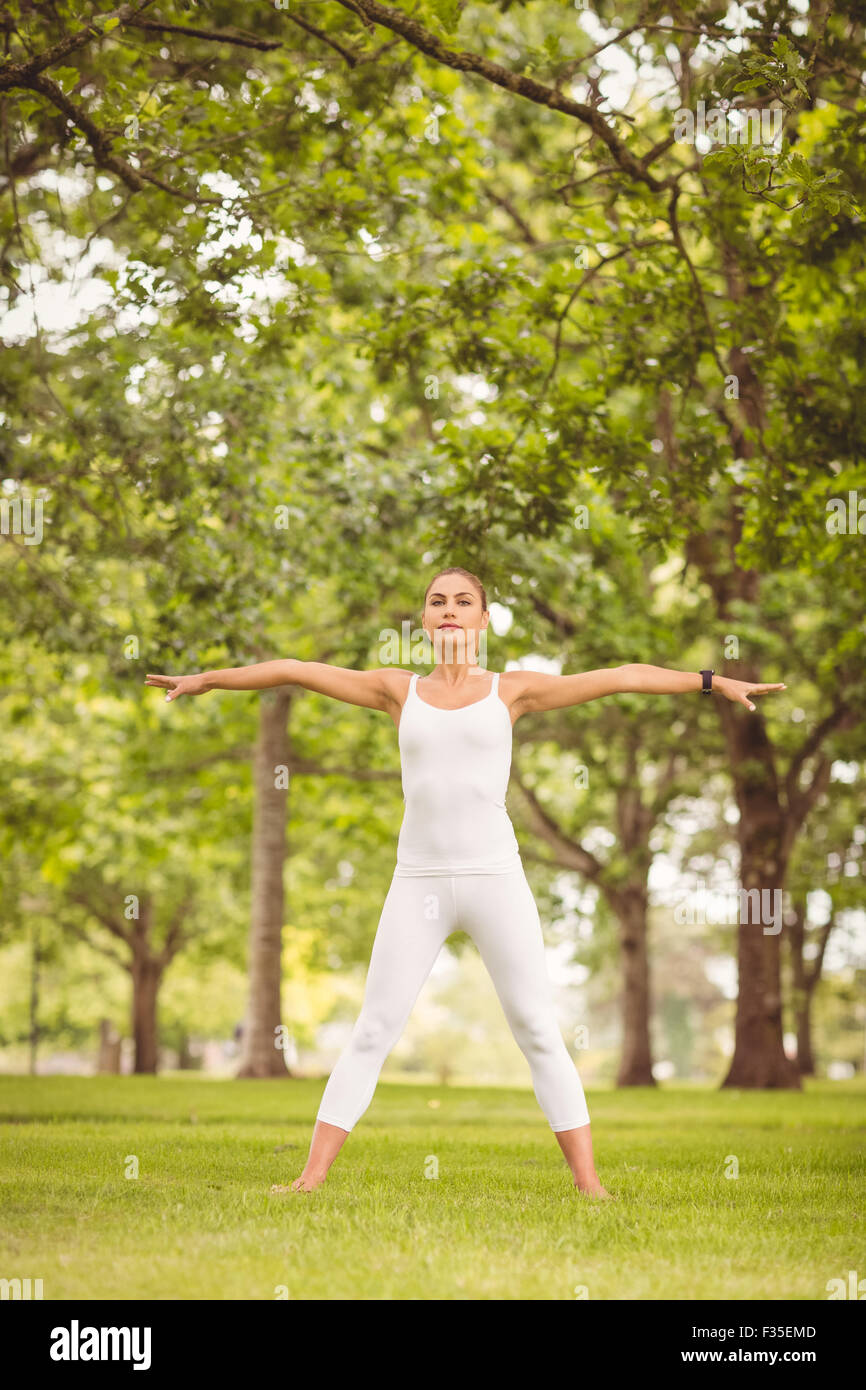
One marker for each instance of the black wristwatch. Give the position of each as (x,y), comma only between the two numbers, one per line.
(707,686)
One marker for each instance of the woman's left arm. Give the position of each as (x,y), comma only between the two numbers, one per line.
(540,691)
(658,680)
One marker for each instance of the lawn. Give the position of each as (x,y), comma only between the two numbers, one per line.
(500,1221)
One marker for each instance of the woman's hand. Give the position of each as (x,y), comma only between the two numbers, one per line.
(180,685)
(740,691)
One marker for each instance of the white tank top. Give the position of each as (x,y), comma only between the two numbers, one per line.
(455,766)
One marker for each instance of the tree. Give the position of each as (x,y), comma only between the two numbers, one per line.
(826,867)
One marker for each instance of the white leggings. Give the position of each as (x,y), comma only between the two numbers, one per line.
(499,913)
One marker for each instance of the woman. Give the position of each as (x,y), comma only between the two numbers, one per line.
(458,862)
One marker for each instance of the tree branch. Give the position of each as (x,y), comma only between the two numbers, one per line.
(83,900)
(21,74)
(216,36)
(799,800)
(813,975)
(351,58)
(702,303)
(174,937)
(526,87)
(522,226)
(568,854)
(30,76)
(81,935)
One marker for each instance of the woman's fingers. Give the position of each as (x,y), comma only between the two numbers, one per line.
(169,684)
(764,690)
(739,691)
(761,690)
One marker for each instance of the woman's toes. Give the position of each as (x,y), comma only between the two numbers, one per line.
(300,1184)
(596,1191)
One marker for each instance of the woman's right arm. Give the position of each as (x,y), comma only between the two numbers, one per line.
(377,689)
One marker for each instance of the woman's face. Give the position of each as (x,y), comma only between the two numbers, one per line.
(453,617)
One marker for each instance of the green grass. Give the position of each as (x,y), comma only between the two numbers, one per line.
(501,1221)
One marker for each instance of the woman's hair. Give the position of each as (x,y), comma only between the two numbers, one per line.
(457,569)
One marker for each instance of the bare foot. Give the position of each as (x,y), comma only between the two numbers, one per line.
(593,1188)
(305,1183)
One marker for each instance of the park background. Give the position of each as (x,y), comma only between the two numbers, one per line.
(301,303)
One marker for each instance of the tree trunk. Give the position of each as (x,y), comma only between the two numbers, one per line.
(146,978)
(805,1054)
(806,980)
(108,1061)
(759,1059)
(34,997)
(634,823)
(802,997)
(261,1055)
(635,1066)
(185,1060)
(759,1055)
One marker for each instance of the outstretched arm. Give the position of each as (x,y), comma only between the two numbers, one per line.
(377,689)
(540,691)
